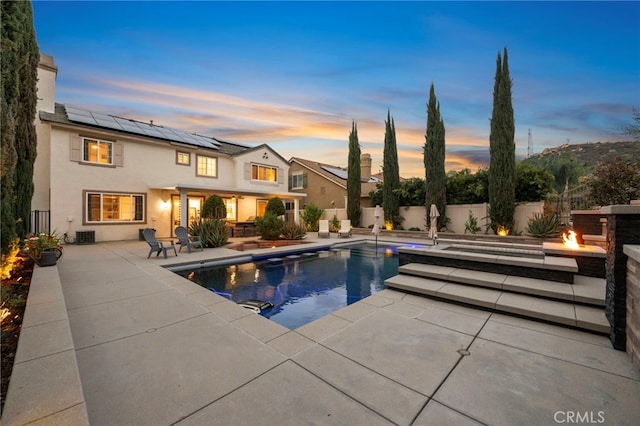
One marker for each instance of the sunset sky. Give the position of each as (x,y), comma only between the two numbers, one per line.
(295,74)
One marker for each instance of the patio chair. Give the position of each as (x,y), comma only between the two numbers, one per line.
(323,229)
(185,240)
(345,228)
(155,245)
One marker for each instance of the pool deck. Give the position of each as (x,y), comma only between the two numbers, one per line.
(153,348)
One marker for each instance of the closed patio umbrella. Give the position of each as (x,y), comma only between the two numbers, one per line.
(433,228)
(376,226)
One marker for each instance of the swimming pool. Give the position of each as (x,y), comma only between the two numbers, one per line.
(305,286)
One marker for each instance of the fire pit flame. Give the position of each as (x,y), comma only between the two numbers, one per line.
(570,240)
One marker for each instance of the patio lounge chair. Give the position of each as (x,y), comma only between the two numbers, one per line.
(155,245)
(323,230)
(345,228)
(185,240)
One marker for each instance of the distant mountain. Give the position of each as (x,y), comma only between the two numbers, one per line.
(589,154)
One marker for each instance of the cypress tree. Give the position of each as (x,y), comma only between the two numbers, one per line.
(19,63)
(502,165)
(434,154)
(26,140)
(354,177)
(391,178)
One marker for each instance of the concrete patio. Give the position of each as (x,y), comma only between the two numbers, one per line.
(153,348)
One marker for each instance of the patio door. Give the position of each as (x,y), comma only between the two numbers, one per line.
(194,204)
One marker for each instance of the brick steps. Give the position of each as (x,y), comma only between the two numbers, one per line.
(579,305)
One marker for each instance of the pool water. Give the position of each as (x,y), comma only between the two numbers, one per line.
(307,286)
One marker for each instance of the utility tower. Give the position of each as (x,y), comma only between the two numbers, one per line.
(530,145)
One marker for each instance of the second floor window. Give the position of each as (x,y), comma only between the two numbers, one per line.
(298,180)
(97,151)
(183,158)
(207,166)
(264,173)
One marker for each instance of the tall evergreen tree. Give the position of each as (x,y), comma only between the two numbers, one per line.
(391,174)
(502,165)
(19,65)
(354,176)
(434,154)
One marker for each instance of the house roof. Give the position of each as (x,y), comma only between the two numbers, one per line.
(335,174)
(67,114)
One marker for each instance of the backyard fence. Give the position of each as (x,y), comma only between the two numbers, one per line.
(416,216)
(40,221)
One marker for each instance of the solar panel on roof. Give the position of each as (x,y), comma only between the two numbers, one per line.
(84,116)
(108,123)
(78,111)
(342,174)
(81,118)
(101,116)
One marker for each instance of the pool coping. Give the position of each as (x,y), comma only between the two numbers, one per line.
(296,342)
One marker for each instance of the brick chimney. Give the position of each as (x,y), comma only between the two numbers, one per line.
(365,167)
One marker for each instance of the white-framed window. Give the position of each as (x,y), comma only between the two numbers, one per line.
(207,166)
(183,158)
(110,207)
(264,173)
(97,151)
(298,180)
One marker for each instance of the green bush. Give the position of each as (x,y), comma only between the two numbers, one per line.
(293,231)
(213,232)
(545,224)
(471,225)
(276,206)
(334,224)
(311,216)
(269,226)
(213,208)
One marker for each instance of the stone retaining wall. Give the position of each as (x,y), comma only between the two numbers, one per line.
(633,303)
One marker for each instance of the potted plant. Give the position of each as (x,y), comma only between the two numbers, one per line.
(45,249)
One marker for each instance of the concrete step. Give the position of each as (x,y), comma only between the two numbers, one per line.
(584,290)
(525,297)
(552,268)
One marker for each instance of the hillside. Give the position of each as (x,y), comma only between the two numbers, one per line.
(589,154)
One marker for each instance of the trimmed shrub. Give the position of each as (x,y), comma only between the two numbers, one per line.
(213,208)
(275,205)
(269,226)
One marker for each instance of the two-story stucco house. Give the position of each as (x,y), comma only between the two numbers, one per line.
(113,176)
(325,185)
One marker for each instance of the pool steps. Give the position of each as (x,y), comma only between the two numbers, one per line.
(553,268)
(580,305)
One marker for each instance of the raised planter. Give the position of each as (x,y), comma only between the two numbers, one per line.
(262,244)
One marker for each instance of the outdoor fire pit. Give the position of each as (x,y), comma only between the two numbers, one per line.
(590,259)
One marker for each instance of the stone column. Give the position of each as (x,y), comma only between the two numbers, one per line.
(633,303)
(623,227)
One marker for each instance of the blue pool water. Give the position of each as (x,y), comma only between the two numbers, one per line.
(306,286)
